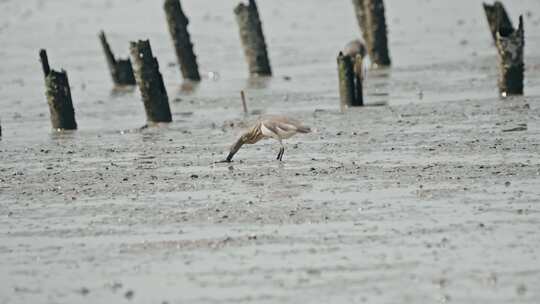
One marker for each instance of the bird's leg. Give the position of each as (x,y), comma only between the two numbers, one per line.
(281,151)
(279,154)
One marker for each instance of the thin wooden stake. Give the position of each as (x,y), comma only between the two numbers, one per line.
(44,63)
(150,82)
(58,95)
(178,22)
(252,37)
(244,104)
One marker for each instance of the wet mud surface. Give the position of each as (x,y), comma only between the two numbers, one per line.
(431,197)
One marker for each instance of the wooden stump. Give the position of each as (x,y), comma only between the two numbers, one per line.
(252,37)
(58,95)
(346,81)
(372,22)
(150,82)
(358,81)
(178,23)
(121,69)
(498,19)
(361,16)
(510,58)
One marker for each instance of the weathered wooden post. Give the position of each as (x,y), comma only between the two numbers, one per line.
(376,19)
(497,18)
(58,96)
(358,81)
(178,23)
(150,82)
(510,57)
(346,81)
(361,17)
(372,22)
(121,69)
(252,38)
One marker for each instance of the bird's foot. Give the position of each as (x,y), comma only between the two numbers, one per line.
(280,154)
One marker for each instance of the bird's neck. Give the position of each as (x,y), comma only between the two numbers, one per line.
(254,135)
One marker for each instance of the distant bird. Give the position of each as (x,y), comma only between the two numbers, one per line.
(271,126)
(355,47)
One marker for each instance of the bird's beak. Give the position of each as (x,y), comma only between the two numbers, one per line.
(235,148)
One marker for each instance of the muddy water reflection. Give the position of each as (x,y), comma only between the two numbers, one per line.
(377,86)
(188,87)
(120,91)
(258,82)
(63,135)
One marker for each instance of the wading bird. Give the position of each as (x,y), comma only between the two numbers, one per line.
(355,47)
(276,127)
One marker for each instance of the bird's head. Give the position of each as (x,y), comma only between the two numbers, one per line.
(237,145)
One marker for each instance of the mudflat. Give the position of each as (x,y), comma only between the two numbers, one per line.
(428,194)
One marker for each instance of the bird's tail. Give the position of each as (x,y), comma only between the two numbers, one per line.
(303,129)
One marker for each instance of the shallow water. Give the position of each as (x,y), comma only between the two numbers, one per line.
(428,199)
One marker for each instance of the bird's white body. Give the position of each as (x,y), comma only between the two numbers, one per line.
(281,132)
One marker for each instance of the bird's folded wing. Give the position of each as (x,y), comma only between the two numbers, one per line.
(278,127)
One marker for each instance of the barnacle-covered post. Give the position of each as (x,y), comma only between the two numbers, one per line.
(178,22)
(497,18)
(346,81)
(510,46)
(358,80)
(372,21)
(58,95)
(121,69)
(252,37)
(361,17)
(150,82)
